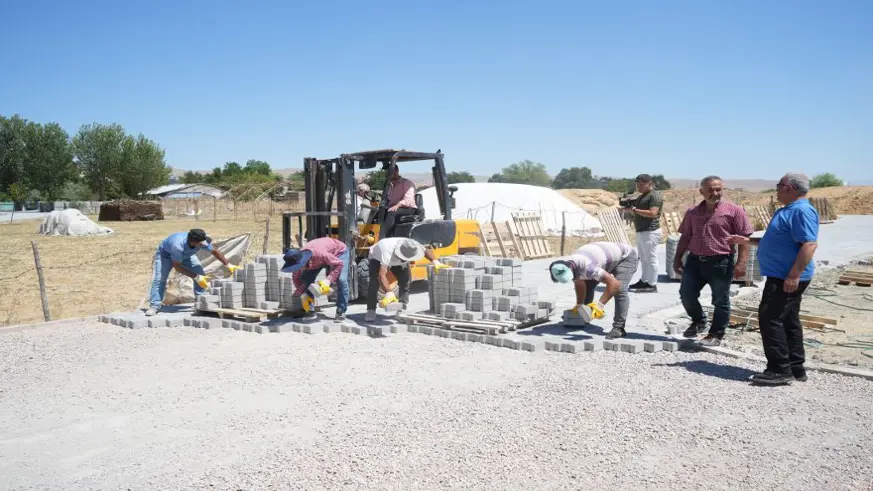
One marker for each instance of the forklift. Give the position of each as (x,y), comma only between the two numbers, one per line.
(331,204)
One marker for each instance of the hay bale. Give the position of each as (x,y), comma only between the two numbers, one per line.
(126,210)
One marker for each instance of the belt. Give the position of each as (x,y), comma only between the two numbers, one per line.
(710,258)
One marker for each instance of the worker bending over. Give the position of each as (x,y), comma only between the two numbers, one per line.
(610,263)
(401,202)
(308,261)
(179,252)
(394,254)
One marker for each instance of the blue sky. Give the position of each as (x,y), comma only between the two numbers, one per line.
(744,89)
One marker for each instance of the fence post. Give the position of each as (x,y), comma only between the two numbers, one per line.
(39,275)
(267,235)
(215,210)
(563,230)
(493,204)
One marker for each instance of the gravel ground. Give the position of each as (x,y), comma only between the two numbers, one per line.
(95,406)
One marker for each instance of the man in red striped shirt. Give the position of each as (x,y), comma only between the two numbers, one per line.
(305,264)
(706,229)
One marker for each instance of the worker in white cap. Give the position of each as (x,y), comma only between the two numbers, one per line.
(394,254)
(610,263)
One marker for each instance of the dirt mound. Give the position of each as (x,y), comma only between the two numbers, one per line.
(130,210)
(590,200)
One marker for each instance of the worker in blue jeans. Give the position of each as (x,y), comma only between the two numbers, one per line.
(179,252)
(307,262)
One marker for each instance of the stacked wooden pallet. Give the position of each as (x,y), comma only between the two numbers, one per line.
(532,239)
(670,222)
(826,212)
(860,278)
(747,317)
(478,326)
(246,314)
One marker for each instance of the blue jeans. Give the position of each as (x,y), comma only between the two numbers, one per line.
(307,276)
(162,267)
(717,272)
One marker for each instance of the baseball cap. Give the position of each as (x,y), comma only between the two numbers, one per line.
(198,235)
(561,273)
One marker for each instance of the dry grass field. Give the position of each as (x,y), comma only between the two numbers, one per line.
(92,275)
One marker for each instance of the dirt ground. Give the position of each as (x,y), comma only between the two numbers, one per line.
(848,200)
(91,275)
(852,305)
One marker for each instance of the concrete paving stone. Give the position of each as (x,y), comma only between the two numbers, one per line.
(315,328)
(394,307)
(653,346)
(359,330)
(281,328)
(443,333)
(188,322)
(543,313)
(592,345)
(546,304)
(346,328)
(533,345)
(136,323)
(632,346)
(511,292)
(468,316)
(458,335)
(611,345)
(262,329)
(426,330)
(450,310)
(398,328)
(575,322)
(495,315)
(510,343)
(157,321)
(553,346)
(414,328)
(569,347)
(268,305)
(492,340)
(475,338)
(375,331)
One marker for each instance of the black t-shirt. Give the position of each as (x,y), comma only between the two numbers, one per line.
(652,199)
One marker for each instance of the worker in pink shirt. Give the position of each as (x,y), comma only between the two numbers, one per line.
(305,264)
(401,202)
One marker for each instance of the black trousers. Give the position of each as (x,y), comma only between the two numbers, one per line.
(390,221)
(781,332)
(403,276)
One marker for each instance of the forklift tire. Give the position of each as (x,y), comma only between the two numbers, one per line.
(363,269)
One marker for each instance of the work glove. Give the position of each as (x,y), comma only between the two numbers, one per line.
(202,281)
(438,265)
(306,301)
(387,300)
(232,268)
(597,310)
(324,287)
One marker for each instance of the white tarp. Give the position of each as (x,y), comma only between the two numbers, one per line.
(180,288)
(70,222)
(477,200)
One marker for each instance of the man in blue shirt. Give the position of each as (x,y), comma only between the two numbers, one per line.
(785,257)
(179,252)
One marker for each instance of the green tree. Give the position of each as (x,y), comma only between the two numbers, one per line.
(661,182)
(98,152)
(375,179)
(49,160)
(620,185)
(17,192)
(143,166)
(825,180)
(191,177)
(76,191)
(524,172)
(231,169)
(258,167)
(13,150)
(463,176)
(574,178)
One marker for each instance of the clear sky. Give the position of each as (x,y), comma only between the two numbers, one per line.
(744,89)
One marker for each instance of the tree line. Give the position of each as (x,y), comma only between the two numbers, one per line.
(534,173)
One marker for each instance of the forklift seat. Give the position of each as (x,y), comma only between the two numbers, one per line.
(419,211)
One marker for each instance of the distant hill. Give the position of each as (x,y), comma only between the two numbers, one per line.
(747,184)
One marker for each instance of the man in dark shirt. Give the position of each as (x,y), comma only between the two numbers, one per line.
(647,222)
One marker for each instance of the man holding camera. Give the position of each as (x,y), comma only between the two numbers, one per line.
(647,222)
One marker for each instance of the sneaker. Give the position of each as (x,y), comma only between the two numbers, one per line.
(615,333)
(772,378)
(151,311)
(647,288)
(339,317)
(636,285)
(799,374)
(371,316)
(695,329)
(710,341)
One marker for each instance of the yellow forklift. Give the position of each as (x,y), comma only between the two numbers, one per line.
(331,210)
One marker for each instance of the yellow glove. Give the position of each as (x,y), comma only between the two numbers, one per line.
(232,268)
(438,265)
(387,300)
(306,301)
(202,281)
(597,310)
(324,287)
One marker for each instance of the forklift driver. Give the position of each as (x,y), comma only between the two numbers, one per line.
(401,202)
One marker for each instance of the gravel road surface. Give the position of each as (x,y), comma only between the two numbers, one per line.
(96,406)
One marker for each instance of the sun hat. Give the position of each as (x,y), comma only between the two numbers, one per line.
(409,250)
(296,259)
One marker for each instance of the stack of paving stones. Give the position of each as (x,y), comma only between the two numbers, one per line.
(484,288)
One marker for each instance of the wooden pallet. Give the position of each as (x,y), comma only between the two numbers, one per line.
(613,225)
(748,317)
(860,278)
(826,212)
(246,314)
(479,326)
(498,240)
(670,222)
(759,215)
(531,237)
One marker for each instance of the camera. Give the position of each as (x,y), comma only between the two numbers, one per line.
(628,200)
